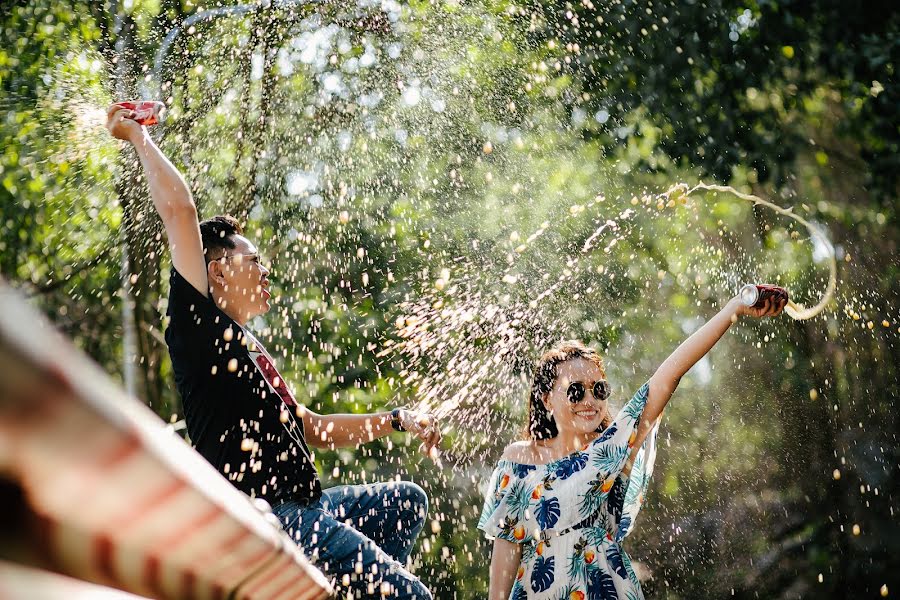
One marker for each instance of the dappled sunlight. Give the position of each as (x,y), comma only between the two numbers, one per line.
(443,190)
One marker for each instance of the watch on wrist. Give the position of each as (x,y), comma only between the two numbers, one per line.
(396,422)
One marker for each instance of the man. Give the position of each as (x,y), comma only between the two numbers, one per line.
(242,416)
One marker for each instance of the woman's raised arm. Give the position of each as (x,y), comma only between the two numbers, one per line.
(666,378)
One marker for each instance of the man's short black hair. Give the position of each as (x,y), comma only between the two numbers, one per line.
(216,235)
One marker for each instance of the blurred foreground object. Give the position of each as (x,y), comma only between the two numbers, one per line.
(17,581)
(93,485)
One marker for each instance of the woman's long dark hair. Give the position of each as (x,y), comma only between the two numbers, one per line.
(541,425)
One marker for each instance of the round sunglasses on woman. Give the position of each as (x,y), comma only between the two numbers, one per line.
(561,501)
(575,391)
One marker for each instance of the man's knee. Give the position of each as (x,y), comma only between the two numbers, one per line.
(414,499)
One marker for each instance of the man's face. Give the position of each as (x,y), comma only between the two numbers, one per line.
(241,281)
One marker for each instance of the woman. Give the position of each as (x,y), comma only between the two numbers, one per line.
(560,503)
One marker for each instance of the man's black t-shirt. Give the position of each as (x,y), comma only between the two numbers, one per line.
(240,414)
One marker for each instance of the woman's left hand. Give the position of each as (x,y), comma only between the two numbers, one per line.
(771,307)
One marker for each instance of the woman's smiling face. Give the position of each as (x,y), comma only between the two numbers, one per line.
(581,417)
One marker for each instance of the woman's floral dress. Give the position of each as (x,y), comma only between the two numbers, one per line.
(572,514)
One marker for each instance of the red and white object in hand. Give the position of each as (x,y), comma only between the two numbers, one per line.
(145,112)
(755,295)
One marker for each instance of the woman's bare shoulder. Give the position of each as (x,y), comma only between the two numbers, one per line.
(522,451)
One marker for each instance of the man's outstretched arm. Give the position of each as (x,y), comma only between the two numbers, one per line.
(348,430)
(171,197)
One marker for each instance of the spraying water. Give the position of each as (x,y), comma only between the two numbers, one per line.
(445,330)
(796,311)
(423,180)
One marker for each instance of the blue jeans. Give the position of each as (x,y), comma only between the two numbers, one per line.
(361,536)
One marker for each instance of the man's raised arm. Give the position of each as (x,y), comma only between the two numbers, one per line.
(171,197)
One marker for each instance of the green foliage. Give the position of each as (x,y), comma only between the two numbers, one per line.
(57,209)
(731,83)
(424,180)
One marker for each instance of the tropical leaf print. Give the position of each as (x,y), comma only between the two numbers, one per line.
(607,433)
(635,488)
(595,536)
(568,466)
(614,560)
(512,530)
(582,560)
(521,471)
(624,527)
(577,569)
(610,457)
(548,481)
(518,498)
(528,552)
(616,499)
(489,507)
(631,574)
(571,592)
(638,466)
(542,574)
(635,406)
(518,592)
(502,484)
(592,499)
(547,513)
(640,480)
(601,586)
